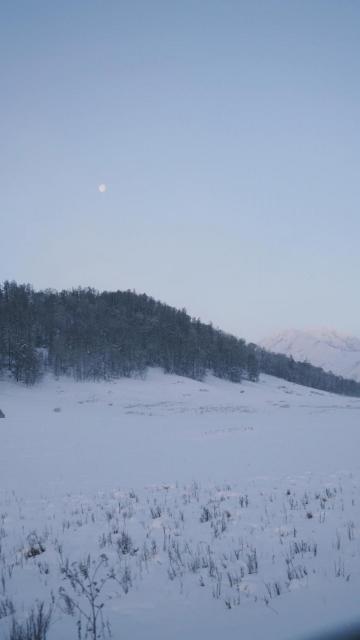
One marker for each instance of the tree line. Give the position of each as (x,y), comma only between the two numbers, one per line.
(101,335)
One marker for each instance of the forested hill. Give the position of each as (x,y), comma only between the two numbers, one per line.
(92,335)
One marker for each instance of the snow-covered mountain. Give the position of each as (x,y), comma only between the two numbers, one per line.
(324,347)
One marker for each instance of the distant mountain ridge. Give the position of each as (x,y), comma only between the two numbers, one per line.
(324,347)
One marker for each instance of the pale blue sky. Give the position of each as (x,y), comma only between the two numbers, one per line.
(227,133)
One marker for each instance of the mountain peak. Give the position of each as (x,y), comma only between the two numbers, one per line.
(322,346)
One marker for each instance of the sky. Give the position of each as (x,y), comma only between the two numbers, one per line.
(226,134)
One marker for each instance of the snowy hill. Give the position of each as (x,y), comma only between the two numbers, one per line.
(325,348)
(208,507)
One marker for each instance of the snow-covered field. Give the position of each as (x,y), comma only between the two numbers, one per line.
(209,509)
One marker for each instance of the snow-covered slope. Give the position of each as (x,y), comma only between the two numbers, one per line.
(214,509)
(324,348)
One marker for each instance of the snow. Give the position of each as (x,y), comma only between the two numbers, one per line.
(326,348)
(241,503)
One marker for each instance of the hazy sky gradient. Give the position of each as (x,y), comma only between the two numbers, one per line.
(227,133)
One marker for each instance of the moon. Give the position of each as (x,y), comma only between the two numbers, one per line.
(102,187)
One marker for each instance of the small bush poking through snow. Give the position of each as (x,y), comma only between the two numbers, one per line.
(35,627)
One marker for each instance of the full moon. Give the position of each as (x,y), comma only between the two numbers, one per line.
(102,187)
